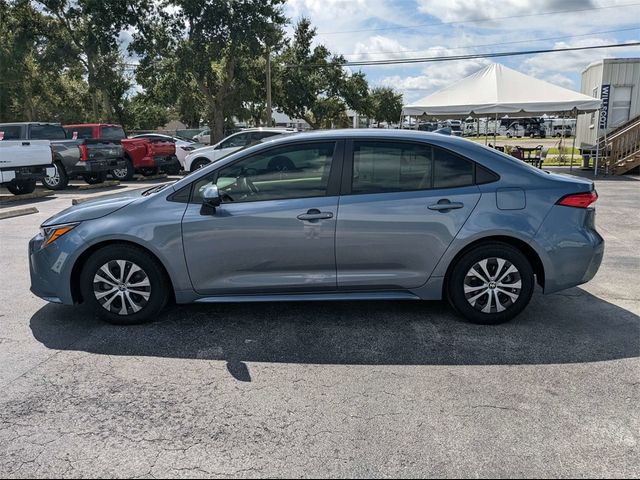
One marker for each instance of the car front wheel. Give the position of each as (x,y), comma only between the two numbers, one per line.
(491,284)
(124,284)
(199,163)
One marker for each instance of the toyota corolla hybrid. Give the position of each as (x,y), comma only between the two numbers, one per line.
(336,215)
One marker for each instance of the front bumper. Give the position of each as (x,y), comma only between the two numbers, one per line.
(50,267)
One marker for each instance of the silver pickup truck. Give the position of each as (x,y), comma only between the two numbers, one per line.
(88,159)
(23,162)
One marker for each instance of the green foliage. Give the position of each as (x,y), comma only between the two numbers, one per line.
(386,105)
(312,84)
(210,55)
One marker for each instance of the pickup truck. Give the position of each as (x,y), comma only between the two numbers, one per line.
(88,159)
(143,155)
(22,162)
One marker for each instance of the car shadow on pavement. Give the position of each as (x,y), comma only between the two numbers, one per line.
(571,327)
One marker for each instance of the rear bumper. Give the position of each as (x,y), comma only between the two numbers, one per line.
(164,162)
(574,249)
(99,166)
(8,175)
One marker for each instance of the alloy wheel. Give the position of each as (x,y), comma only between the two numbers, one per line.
(121,287)
(492,285)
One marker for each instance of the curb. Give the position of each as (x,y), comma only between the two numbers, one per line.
(106,184)
(152,177)
(28,196)
(17,212)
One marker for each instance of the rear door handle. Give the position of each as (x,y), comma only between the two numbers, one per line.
(26,144)
(314,214)
(445,205)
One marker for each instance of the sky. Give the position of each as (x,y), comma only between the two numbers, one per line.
(390,29)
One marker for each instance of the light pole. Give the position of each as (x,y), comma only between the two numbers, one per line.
(269,110)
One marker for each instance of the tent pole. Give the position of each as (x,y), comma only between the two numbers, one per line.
(573,147)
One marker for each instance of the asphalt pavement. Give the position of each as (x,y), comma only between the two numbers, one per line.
(351,389)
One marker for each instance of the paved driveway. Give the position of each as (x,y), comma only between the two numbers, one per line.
(364,389)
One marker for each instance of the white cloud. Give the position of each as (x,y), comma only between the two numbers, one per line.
(575,61)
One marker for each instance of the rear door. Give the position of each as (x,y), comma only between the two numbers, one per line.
(402,205)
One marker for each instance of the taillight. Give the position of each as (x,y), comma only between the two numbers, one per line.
(84,153)
(578,200)
(149,149)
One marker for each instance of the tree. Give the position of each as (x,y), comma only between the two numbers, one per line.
(214,46)
(90,30)
(39,79)
(386,105)
(312,83)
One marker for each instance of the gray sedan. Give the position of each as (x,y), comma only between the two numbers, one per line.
(336,215)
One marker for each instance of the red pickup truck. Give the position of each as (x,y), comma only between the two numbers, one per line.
(142,155)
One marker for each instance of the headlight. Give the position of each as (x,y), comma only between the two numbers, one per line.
(54,232)
(187,148)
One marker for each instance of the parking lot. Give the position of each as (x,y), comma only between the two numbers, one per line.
(366,389)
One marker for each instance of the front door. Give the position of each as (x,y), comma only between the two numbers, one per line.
(405,204)
(274,231)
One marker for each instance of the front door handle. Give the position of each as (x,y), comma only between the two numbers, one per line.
(314,214)
(445,205)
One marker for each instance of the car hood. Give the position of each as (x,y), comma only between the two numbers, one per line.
(92,209)
(207,149)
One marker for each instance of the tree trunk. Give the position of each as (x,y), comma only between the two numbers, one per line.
(216,120)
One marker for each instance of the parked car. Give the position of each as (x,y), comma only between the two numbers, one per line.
(203,137)
(146,156)
(203,156)
(85,158)
(561,131)
(421,217)
(184,146)
(23,162)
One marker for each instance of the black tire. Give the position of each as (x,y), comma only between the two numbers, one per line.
(22,187)
(199,163)
(459,278)
(95,178)
(149,171)
(172,169)
(59,181)
(126,173)
(158,289)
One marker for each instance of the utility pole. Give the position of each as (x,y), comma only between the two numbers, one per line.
(269,111)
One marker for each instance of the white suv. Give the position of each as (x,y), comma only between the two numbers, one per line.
(205,155)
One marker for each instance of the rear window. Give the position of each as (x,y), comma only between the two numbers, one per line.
(11,132)
(83,132)
(48,132)
(113,133)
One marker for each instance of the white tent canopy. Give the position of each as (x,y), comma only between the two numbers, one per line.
(497,89)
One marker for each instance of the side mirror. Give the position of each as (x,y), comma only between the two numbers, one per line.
(210,200)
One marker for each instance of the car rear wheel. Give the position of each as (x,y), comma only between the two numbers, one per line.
(491,284)
(147,172)
(59,180)
(124,285)
(125,173)
(22,187)
(95,178)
